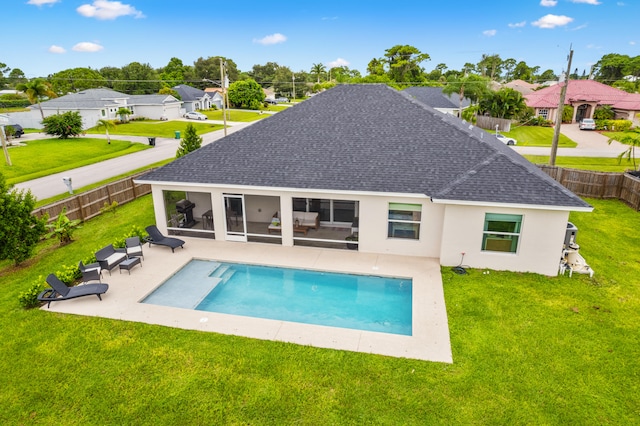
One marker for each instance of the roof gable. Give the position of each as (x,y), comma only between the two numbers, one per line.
(586,91)
(188,93)
(435,98)
(369,138)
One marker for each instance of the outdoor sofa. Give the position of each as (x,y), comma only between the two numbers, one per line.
(108,257)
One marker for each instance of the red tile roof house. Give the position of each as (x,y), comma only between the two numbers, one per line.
(418,181)
(585,96)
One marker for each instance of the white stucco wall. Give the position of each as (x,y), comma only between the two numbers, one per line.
(539,248)
(445,231)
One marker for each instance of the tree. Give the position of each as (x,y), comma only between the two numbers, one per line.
(3,69)
(265,74)
(632,138)
(404,63)
(246,94)
(317,70)
(138,79)
(490,66)
(548,75)
(611,67)
(16,76)
(35,90)
(509,65)
(63,125)
(505,103)
(20,231)
(470,86)
(522,71)
(75,80)
(190,142)
(107,124)
(63,227)
(376,67)
(111,75)
(124,113)
(210,68)
(174,72)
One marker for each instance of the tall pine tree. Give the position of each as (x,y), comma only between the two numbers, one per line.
(190,142)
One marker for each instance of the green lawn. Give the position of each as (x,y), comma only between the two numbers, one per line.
(615,135)
(161,129)
(48,156)
(585,163)
(236,115)
(538,136)
(527,349)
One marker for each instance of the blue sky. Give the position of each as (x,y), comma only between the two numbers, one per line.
(45,36)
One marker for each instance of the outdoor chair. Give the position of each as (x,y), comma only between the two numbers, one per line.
(60,291)
(133,247)
(156,237)
(108,257)
(92,271)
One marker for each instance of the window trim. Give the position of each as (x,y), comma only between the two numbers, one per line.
(415,224)
(502,236)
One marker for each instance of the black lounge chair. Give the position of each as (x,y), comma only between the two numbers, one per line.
(156,237)
(60,291)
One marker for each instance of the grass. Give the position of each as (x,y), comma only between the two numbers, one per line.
(616,135)
(48,156)
(527,349)
(236,115)
(161,129)
(599,164)
(538,136)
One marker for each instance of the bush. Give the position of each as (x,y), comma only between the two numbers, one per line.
(29,298)
(63,125)
(135,231)
(540,121)
(567,114)
(613,125)
(69,274)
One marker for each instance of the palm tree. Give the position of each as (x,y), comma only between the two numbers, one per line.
(318,69)
(123,112)
(36,89)
(632,138)
(107,124)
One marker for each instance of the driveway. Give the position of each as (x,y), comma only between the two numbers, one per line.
(165,148)
(590,144)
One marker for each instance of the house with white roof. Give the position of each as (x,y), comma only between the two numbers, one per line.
(369,168)
(101,104)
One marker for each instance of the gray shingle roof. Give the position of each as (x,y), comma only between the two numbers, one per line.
(86,99)
(188,93)
(370,138)
(434,97)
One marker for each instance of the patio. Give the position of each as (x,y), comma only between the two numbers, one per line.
(430,339)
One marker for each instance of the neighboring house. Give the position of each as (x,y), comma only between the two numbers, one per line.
(368,159)
(216,95)
(433,97)
(101,104)
(193,99)
(521,86)
(584,96)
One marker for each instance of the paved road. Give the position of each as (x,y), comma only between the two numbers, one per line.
(53,185)
(590,144)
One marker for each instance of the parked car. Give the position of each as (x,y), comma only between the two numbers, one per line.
(506,140)
(587,124)
(14,129)
(270,101)
(194,115)
(282,99)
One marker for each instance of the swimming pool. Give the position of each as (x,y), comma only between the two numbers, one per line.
(361,302)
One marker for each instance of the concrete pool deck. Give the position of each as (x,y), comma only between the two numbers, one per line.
(430,339)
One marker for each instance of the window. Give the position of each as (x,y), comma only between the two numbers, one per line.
(103,113)
(544,113)
(501,232)
(404,220)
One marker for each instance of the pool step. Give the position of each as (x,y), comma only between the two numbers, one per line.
(188,297)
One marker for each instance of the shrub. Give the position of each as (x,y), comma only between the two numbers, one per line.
(69,274)
(135,231)
(604,112)
(540,121)
(63,227)
(613,125)
(567,114)
(63,125)
(29,298)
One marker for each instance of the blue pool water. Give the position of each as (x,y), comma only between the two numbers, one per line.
(359,302)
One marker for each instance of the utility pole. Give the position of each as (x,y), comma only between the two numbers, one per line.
(293,77)
(563,93)
(224,96)
(3,140)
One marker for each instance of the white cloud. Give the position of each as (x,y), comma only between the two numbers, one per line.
(632,43)
(593,46)
(548,3)
(41,2)
(552,21)
(580,27)
(56,49)
(106,10)
(489,33)
(271,39)
(87,46)
(518,24)
(338,63)
(593,2)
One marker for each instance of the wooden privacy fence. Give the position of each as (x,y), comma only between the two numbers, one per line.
(88,204)
(587,183)
(490,123)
